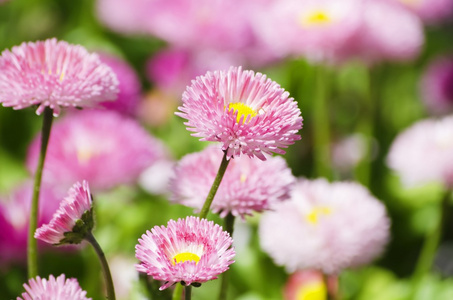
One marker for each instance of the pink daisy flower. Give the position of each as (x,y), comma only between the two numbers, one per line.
(437,86)
(423,153)
(59,288)
(73,216)
(430,11)
(325,226)
(388,32)
(316,29)
(53,74)
(249,185)
(190,251)
(247,112)
(102,147)
(129,86)
(14,221)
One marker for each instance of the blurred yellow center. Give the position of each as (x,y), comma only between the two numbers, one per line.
(316,213)
(312,291)
(185,256)
(242,110)
(411,2)
(84,155)
(316,18)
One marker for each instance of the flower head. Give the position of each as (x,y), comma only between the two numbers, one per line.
(325,226)
(190,251)
(249,185)
(53,74)
(102,147)
(59,288)
(247,112)
(73,219)
(430,11)
(437,86)
(423,153)
(306,285)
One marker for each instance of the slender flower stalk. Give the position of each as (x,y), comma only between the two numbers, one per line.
(32,251)
(188,293)
(105,267)
(321,134)
(229,227)
(215,186)
(431,243)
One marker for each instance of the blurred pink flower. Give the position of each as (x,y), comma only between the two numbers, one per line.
(316,29)
(325,226)
(54,73)
(305,285)
(437,86)
(423,153)
(14,221)
(388,32)
(190,251)
(127,17)
(249,185)
(102,147)
(76,207)
(430,11)
(59,288)
(247,112)
(129,86)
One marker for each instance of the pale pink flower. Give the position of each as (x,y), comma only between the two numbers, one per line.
(249,185)
(129,86)
(127,17)
(14,221)
(437,86)
(388,32)
(316,29)
(325,226)
(430,11)
(102,147)
(423,153)
(76,206)
(54,74)
(190,251)
(246,112)
(59,288)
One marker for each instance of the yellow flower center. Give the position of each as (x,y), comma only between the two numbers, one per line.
(312,291)
(316,213)
(315,18)
(84,155)
(185,256)
(413,3)
(242,110)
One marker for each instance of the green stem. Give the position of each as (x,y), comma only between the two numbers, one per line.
(32,249)
(188,292)
(177,293)
(431,244)
(105,267)
(215,185)
(321,129)
(366,126)
(229,227)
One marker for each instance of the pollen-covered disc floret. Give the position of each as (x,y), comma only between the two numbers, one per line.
(325,226)
(54,74)
(59,288)
(190,251)
(247,112)
(73,219)
(249,185)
